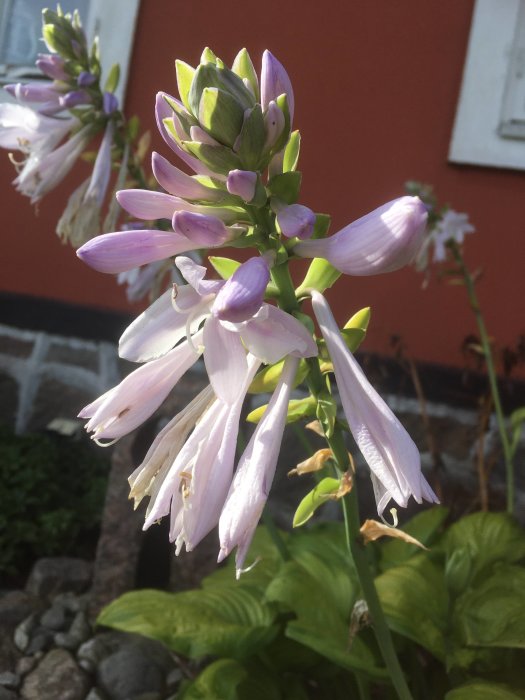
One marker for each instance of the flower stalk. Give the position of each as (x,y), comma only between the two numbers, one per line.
(491,371)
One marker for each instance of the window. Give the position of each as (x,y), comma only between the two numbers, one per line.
(20,30)
(489,127)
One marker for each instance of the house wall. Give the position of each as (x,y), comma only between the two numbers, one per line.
(376,87)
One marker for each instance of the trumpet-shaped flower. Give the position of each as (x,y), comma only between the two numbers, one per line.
(389,450)
(253,478)
(452,227)
(269,334)
(384,240)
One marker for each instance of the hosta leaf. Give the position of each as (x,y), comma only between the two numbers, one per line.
(415,601)
(481,690)
(223,621)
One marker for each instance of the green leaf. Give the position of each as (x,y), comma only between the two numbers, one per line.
(415,601)
(218,681)
(476,543)
(324,491)
(184,73)
(321,275)
(133,127)
(286,186)
(481,690)
(326,413)
(243,67)
(424,527)
(224,621)
(291,152)
(297,410)
(209,75)
(220,115)
(225,267)
(492,614)
(113,78)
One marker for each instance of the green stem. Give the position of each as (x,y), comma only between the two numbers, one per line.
(491,371)
(358,553)
(287,299)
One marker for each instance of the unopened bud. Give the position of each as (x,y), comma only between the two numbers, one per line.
(242,295)
(242,183)
(296,220)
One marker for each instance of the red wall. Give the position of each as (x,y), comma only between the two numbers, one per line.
(376,87)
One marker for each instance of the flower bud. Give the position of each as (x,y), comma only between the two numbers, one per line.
(242,183)
(33,92)
(221,115)
(274,123)
(201,229)
(109,102)
(382,241)
(85,79)
(295,220)
(242,295)
(52,66)
(275,82)
(74,98)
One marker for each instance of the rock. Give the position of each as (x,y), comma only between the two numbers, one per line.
(56,677)
(55,618)
(173,680)
(15,606)
(95,694)
(53,575)
(6,694)
(80,628)
(129,673)
(41,640)
(9,679)
(24,631)
(25,664)
(64,640)
(71,602)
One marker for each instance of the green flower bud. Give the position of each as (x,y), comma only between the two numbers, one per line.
(243,67)
(220,115)
(250,143)
(211,76)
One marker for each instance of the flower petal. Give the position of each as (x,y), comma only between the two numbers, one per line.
(225,360)
(124,250)
(277,335)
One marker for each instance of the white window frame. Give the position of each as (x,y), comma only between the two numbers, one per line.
(114,22)
(483,133)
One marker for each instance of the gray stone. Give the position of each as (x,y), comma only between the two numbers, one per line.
(54,618)
(53,575)
(6,694)
(71,602)
(56,677)
(64,640)
(15,606)
(96,694)
(41,640)
(9,679)
(24,631)
(80,628)
(129,673)
(91,653)
(173,679)
(25,664)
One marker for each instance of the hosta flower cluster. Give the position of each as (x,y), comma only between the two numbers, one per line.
(233,131)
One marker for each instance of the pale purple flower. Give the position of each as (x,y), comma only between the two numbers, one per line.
(74,98)
(123,408)
(42,172)
(52,65)
(109,102)
(23,129)
(242,183)
(194,485)
(295,220)
(242,295)
(452,227)
(254,475)
(42,91)
(149,205)
(140,280)
(178,183)
(203,230)
(85,79)
(275,82)
(384,240)
(388,449)
(269,335)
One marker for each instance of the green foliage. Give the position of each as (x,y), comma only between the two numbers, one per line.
(52,493)
(288,626)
